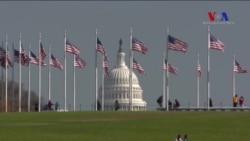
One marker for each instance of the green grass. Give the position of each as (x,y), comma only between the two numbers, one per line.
(124,126)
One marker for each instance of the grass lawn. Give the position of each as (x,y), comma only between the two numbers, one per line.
(124,126)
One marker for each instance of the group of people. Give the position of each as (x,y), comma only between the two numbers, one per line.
(179,138)
(49,106)
(237,101)
(171,106)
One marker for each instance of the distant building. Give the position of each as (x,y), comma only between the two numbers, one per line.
(116,88)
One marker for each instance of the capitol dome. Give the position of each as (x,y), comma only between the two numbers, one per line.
(117,88)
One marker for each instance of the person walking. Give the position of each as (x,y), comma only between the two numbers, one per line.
(235,100)
(241,101)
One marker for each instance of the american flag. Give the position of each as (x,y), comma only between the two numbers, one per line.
(138,67)
(79,63)
(2,53)
(139,46)
(238,69)
(105,66)
(55,62)
(3,58)
(176,44)
(72,48)
(199,70)
(33,59)
(216,44)
(42,52)
(16,56)
(171,69)
(24,57)
(99,47)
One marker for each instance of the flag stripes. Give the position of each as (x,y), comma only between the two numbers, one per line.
(34,59)
(176,44)
(238,69)
(138,46)
(71,48)
(105,66)
(138,67)
(24,57)
(79,63)
(216,44)
(5,58)
(42,52)
(55,62)
(171,69)
(100,48)
(199,70)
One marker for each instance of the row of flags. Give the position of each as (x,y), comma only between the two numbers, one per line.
(33,59)
(178,45)
(173,44)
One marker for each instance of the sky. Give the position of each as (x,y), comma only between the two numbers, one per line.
(149,21)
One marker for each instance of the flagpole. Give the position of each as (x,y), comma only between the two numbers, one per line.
(130,73)
(65,82)
(208,68)
(20,73)
(198,82)
(166,98)
(13,96)
(29,83)
(74,90)
(49,69)
(103,82)
(233,75)
(40,63)
(6,74)
(96,74)
(2,86)
(164,81)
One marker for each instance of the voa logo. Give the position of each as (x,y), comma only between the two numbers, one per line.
(218,18)
(214,16)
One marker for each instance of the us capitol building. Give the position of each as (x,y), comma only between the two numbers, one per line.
(116,88)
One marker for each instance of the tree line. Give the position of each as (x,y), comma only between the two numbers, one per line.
(13,98)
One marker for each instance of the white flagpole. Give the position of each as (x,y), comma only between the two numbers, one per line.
(130,73)
(49,69)
(6,75)
(74,83)
(96,74)
(2,85)
(167,97)
(164,81)
(208,68)
(29,82)
(233,75)
(40,63)
(65,82)
(103,83)
(20,74)
(13,95)
(198,82)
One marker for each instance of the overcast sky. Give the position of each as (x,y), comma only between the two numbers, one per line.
(149,21)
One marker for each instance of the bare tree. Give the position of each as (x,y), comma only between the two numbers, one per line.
(13,98)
